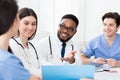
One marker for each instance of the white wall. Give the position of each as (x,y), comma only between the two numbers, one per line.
(89,13)
(94,10)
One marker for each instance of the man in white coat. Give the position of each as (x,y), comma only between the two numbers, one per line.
(50,47)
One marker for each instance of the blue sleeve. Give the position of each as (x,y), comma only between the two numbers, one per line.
(88,50)
(13,70)
(91,47)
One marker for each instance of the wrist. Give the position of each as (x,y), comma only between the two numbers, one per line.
(118,64)
(94,61)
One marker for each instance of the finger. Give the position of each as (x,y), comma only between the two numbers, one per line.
(73,52)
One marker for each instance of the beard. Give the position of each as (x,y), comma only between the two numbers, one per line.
(63,40)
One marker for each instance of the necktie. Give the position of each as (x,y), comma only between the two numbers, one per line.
(63,49)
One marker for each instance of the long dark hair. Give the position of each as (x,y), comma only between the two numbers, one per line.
(8,12)
(24,12)
(10,50)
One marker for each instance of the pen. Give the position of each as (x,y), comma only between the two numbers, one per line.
(106,70)
(111,71)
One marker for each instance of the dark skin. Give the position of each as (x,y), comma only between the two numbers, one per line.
(65,34)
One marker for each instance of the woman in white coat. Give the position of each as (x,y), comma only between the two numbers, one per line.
(21,45)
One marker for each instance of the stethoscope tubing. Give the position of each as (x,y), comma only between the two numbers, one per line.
(32,46)
(50,45)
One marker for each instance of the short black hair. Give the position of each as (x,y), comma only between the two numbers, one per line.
(8,12)
(73,17)
(113,15)
(24,12)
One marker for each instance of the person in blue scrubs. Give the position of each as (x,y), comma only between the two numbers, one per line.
(11,68)
(105,47)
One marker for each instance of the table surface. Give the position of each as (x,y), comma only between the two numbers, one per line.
(113,74)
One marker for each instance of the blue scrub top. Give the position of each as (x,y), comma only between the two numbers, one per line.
(11,68)
(98,47)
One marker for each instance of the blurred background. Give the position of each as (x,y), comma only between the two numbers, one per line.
(89,13)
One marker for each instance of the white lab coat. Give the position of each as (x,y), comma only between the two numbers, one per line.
(30,61)
(43,48)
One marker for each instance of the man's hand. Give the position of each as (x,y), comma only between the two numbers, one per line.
(112,62)
(99,61)
(70,58)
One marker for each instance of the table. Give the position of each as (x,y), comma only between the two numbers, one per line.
(105,75)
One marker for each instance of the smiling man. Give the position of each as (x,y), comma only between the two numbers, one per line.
(106,47)
(58,48)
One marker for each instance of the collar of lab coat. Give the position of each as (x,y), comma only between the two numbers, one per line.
(55,37)
(19,41)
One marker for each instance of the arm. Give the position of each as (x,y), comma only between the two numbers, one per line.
(85,59)
(42,48)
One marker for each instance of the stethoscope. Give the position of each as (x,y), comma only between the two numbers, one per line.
(33,48)
(51,46)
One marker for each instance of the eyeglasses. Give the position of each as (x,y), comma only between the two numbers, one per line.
(63,27)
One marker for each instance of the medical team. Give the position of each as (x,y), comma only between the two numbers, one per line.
(49,51)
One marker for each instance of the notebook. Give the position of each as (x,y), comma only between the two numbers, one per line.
(67,72)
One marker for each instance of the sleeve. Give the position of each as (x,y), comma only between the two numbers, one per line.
(88,51)
(42,48)
(13,70)
(77,55)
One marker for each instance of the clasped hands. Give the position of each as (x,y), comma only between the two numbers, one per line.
(111,62)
